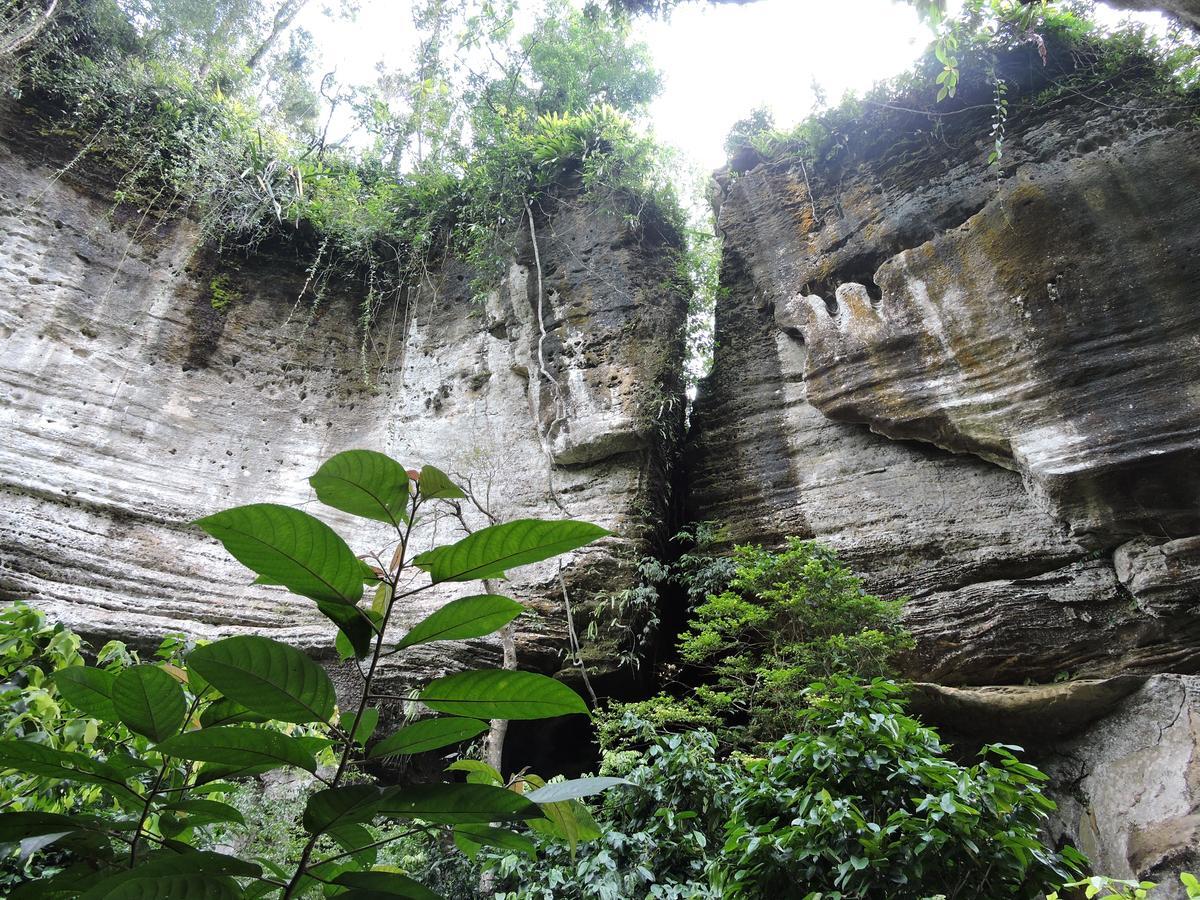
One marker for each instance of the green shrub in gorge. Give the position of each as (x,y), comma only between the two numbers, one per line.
(247,705)
(860,803)
(864,803)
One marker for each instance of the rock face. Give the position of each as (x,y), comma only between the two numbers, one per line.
(1134,804)
(982,391)
(1054,332)
(978,391)
(1123,754)
(132,406)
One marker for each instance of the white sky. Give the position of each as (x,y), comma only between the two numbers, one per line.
(722,61)
(719,62)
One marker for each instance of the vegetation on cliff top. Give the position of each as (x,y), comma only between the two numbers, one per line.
(985,69)
(462,147)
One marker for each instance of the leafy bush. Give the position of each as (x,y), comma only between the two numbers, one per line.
(787,619)
(32,652)
(246,705)
(655,839)
(864,803)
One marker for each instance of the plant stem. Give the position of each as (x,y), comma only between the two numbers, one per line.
(137,833)
(155,789)
(393,578)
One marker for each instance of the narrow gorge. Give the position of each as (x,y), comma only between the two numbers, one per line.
(980,385)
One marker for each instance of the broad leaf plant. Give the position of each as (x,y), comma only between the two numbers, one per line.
(246,705)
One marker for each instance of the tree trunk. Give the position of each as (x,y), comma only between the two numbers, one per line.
(284,16)
(493,745)
(12,44)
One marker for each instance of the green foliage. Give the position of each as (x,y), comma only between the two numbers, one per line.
(787,619)
(1122,889)
(247,705)
(37,663)
(703,570)
(220,294)
(460,157)
(864,802)
(998,61)
(629,618)
(656,839)
(861,803)
(623,726)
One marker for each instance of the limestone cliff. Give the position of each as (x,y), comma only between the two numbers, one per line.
(982,392)
(133,404)
(981,389)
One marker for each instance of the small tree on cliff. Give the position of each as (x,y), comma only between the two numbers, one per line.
(786,620)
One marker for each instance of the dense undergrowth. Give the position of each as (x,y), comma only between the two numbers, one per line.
(779,760)
(845,796)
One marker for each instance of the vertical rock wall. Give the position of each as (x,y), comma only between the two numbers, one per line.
(982,391)
(130,406)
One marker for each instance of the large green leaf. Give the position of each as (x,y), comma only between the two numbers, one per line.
(177,887)
(65,885)
(14,826)
(502,694)
(366,725)
(89,690)
(353,624)
(470,838)
(356,840)
(490,552)
(204,812)
(429,734)
(558,791)
(343,805)
(224,711)
(364,483)
(478,772)
(380,884)
(36,759)
(240,747)
(568,821)
(292,548)
(267,677)
(466,617)
(195,875)
(436,485)
(149,701)
(454,804)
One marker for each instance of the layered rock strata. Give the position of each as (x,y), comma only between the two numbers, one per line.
(132,405)
(982,392)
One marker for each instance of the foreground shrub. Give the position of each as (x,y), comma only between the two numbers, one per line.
(862,803)
(866,804)
(766,624)
(209,716)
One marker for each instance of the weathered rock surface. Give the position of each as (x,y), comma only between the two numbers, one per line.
(130,407)
(976,390)
(1054,332)
(1129,786)
(1027,714)
(1186,11)
(1123,755)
